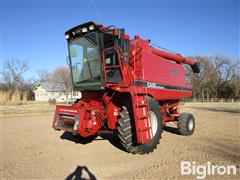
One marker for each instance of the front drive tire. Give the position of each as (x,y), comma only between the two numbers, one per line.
(186,124)
(127,132)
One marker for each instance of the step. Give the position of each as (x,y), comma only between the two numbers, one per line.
(140,94)
(142,117)
(145,129)
(141,105)
(141,99)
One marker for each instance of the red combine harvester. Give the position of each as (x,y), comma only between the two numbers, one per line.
(128,87)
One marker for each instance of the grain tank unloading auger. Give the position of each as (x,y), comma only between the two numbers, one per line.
(128,87)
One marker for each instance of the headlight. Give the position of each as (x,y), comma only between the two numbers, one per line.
(67,36)
(91,27)
(84,30)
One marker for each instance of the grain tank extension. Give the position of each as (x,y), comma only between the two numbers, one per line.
(128,87)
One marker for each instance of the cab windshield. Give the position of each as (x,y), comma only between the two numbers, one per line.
(85,61)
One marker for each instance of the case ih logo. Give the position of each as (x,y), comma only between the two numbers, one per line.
(154,85)
(151,84)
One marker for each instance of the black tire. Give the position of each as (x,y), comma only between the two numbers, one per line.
(127,132)
(186,124)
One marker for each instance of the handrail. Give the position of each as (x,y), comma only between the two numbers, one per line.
(120,58)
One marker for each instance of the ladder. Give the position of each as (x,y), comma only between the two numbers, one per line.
(140,103)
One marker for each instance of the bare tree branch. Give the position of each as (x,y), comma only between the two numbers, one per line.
(13,72)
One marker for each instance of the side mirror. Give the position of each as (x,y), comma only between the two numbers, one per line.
(68,60)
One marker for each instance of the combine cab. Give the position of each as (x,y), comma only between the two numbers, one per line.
(127,86)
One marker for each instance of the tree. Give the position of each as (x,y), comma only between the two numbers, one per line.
(235,85)
(43,75)
(227,71)
(28,87)
(13,73)
(203,81)
(218,78)
(61,75)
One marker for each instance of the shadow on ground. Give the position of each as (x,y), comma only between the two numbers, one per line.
(111,137)
(170,129)
(80,173)
(76,138)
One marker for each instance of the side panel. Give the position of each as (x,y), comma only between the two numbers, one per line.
(165,79)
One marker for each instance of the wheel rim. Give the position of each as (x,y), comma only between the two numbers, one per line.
(154,123)
(190,124)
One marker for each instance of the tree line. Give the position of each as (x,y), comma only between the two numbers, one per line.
(16,86)
(219,77)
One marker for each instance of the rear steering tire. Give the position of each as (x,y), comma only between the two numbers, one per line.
(127,133)
(186,124)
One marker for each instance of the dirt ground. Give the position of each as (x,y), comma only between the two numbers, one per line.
(32,150)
